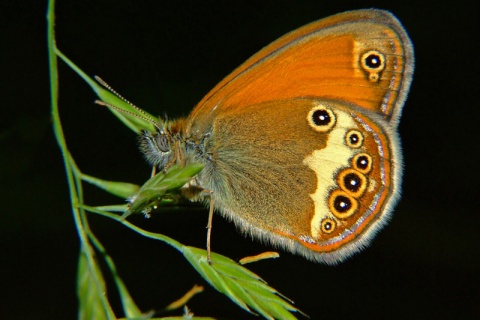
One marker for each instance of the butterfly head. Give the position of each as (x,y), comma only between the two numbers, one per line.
(164,147)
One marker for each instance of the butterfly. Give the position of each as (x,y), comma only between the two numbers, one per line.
(299,144)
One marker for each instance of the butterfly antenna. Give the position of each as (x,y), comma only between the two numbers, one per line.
(144,116)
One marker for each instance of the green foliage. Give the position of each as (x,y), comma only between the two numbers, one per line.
(243,287)
(90,286)
(156,188)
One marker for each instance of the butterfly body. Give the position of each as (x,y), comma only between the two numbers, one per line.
(299,143)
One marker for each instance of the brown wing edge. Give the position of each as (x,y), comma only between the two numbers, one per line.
(377,15)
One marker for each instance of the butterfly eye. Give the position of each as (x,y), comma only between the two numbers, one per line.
(354,139)
(156,147)
(328,225)
(362,162)
(321,119)
(341,204)
(162,142)
(352,182)
(373,62)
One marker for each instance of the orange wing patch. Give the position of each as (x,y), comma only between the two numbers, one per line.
(321,59)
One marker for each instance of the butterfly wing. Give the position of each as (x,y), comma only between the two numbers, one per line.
(327,58)
(275,170)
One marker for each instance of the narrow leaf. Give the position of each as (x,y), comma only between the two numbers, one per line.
(196,289)
(258,257)
(133,122)
(129,307)
(156,188)
(242,286)
(119,189)
(90,301)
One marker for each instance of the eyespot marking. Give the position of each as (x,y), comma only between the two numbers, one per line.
(354,139)
(321,118)
(352,182)
(373,63)
(328,225)
(341,204)
(362,162)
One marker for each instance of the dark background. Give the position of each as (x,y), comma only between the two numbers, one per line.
(164,57)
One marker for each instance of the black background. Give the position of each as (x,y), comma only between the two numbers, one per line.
(164,57)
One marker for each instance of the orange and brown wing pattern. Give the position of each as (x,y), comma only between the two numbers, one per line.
(362,57)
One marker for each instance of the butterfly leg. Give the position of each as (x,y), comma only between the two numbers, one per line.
(209,226)
(195,193)
(154,171)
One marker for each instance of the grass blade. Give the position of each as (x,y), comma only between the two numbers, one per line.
(242,286)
